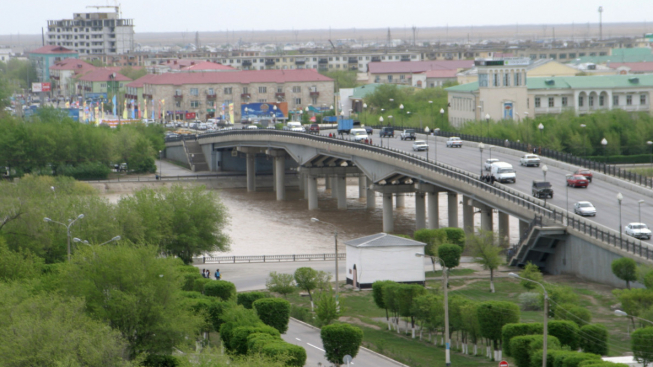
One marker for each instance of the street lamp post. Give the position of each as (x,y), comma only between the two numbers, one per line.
(445,281)
(160,164)
(365,113)
(435,137)
(546,316)
(584,139)
(541,127)
(480,147)
(335,239)
(431,108)
(77,240)
(622,313)
(544,170)
(619,199)
(487,119)
(401,109)
(639,210)
(604,143)
(442,116)
(70,223)
(381,123)
(427,131)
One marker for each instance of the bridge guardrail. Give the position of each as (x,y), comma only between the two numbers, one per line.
(537,206)
(271,258)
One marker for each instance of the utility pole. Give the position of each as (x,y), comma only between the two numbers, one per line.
(600,23)
(414,35)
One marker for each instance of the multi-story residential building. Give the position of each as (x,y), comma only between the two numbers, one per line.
(200,94)
(402,72)
(93,33)
(130,59)
(44,57)
(503,91)
(64,73)
(101,84)
(187,66)
(134,92)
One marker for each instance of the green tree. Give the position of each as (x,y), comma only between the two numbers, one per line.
(378,297)
(432,238)
(521,347)
(221,289)
(532,272)
(136,292)
(274,312)
(342,78)
(640,343)
(576,314)
(493,315)
(327,308)
(625,269)
(450,255)
(234,317)
(240,334)
(18,265)
(340,340)
(594,339)
(133,73)
(634,301)
(486,253)
(306,279)
(280,283)
(429,311)
(246,299)
(647,280)
(567,332)
(407,294)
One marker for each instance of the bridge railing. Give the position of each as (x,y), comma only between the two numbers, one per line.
(270,258)
(537,206)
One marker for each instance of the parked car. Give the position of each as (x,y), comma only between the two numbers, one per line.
(408,134)
(488,163)
(584,208)
(252,127)
(529,160)
(585,172)
(387,132)
(577,181)
(542,189)
(454,142)
(638,230)
(314,128)
(369,130)
(420,145)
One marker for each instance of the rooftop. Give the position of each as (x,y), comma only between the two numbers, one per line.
(383,240)
(103,75)
(138,83)
(417,66)
(241,77)
(634,67)
(52,50)
(77,65)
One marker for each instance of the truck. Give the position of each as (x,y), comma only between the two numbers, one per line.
(542,189)
(408,134)
(345,125)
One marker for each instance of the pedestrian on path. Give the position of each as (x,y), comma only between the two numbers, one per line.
(208,274)
(217,274)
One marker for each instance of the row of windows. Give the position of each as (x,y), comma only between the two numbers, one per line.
(332,58)
(462,104)
(212,104)
(229,90)
(591,101)
(502,79)
(563,56)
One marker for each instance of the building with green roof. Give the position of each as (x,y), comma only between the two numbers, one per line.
(500,98)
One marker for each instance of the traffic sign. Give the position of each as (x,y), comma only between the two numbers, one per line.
(503,364)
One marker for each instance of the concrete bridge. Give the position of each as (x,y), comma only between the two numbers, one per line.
(559,241)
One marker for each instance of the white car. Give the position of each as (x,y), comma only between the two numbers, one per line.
(454,142)
(420,145)
(529,160)
(488,163)
(251,127)
(584,208)
(638,230)
(359,135)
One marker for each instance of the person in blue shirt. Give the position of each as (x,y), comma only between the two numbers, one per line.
(217,274)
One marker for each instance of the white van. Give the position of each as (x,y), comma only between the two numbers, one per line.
(503,172)
(358,134)
(295,126)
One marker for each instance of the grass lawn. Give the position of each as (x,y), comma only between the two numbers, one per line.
(452,273)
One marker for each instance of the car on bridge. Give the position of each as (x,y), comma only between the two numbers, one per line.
(577,181)
(314,129)
(488,163)
(529,160)
(408,134)
(638,230)
(387,132)
(585,172)
(584,208)
(420,145)
(454,142)
(542,189)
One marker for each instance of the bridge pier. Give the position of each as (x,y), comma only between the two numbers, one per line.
(251,172)
(468,216)
(400,201)
(504,226)
(434,210)
(388,220)
(341,191)
(274,175)
(280,175)
(362,191)
(487,222)
(334,186)
(304,185)
(311,188)
(420,210)
(452,208)
(371,196)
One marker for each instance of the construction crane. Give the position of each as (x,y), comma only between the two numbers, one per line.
(114,7)
(334,47)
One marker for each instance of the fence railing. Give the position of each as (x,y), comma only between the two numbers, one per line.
(536,206)
(270,258)
(166,178)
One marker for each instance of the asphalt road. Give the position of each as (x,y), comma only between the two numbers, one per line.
(601,194)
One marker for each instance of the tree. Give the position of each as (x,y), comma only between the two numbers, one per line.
(221,289)
(246,299)
(407,293)
(306,279)
(566,331)
(625,269)
(594,339)
(486,253)
(450,255)
(521,347)
(136,292)
(340,340)
(132,73)
(432,238)
(648,280)
(429,311)
(640,343)
(576,314)
(327,309)
(493,315)
(22,264)
(378,289)
(50,330)
(274,312)
(532,272)
(634,301)
(280,283)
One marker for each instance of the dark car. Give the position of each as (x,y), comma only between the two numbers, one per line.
(314,128)
(542,189)
(387,132)
(584,172)
(369,130)
(577,181)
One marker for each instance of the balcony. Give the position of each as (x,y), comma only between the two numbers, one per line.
(269,62)
(376,59)
(88,89)
(245,96)
(352,60)
(178,97)
(247,63)
(315,94)
(211,96)
(280,95)
(299,61)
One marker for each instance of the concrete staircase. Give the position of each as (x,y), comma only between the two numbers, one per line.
(538,243)
(195,156)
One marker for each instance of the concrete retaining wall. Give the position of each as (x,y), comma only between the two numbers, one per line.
(177,154)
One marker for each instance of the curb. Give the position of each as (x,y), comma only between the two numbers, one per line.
(363,348)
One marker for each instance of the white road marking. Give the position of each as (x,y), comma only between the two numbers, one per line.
(298,339)
(318,348)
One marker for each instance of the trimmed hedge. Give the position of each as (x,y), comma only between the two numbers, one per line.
(274,312)
(561,358)
(238,341)
(296,355)
(246,299)
(199,283)
(256,342)
(521,347)
(188,283)
(635,158)
(86,171)
(340,340)
(220,288)
(510,331)
(574,359)
(594,339)
(571,312)
(493,315)
(566,331)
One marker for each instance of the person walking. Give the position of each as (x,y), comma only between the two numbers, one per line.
(217,274)
(208,274)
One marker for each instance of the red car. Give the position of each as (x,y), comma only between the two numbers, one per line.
(314,128)
(584,172)
(577,181)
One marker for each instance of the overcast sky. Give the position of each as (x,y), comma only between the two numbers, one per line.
(28,16)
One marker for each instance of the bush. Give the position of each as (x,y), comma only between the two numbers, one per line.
(339,340)
(188,283)
(274,312)
(594,339)
(625,269)
(530,301)
(246,299)
(455,236)
(199,283)
(86,171)
(566,332)
(520,347)
(640,344)
(595,363)
(256,342)
(296,355)
(215,311)
(510,331)
(450,255)
(233,317)
(574,359)
(493,315)
(571,312)
(153,360)
(238,341)
(377,292)
(220,288)
(301,314)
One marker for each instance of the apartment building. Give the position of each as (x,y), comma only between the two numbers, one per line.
(128,59)
(63,75)
(93,33)
(200,94)
(101,84)
(402,72)
(44,57)
(503,91)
